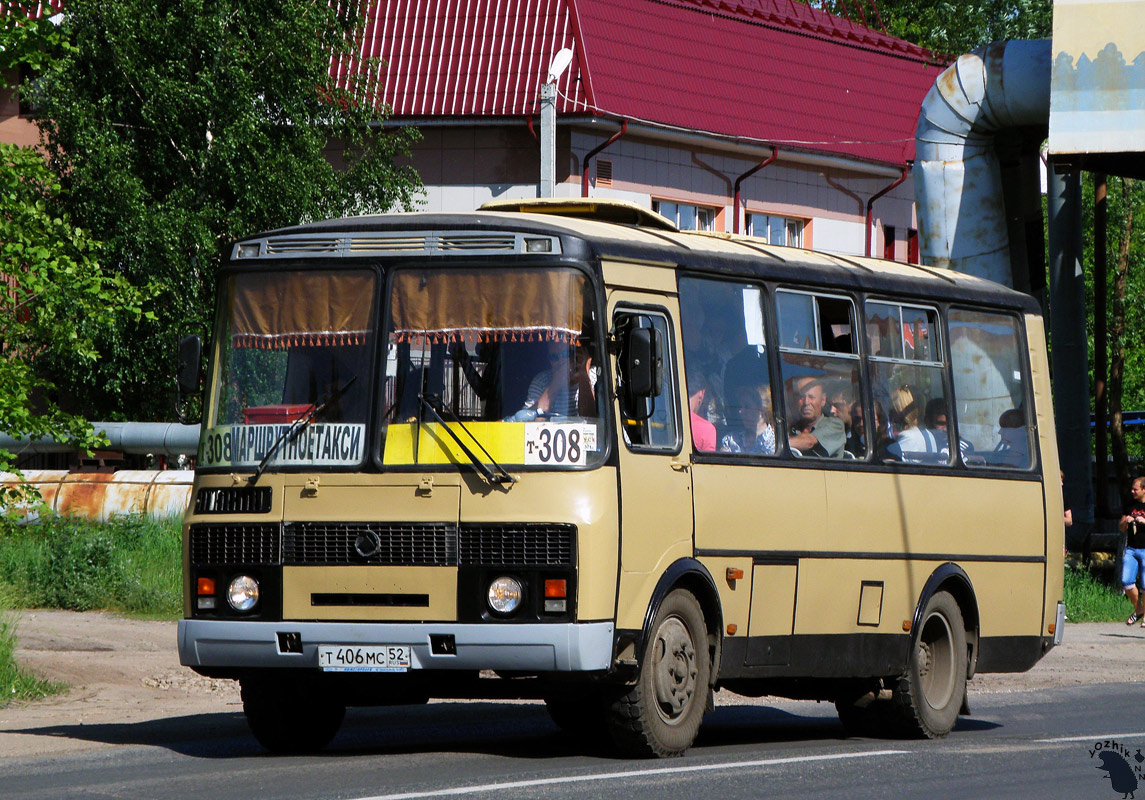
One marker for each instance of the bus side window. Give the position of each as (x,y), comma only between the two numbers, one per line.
(908,377)
(821,375)
(726,367)
(660,431)
(989,389)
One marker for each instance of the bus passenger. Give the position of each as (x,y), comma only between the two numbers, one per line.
(856,440)
(841,403)
(1013,448)
(815,434)
(937,420)
(566,388)
(912,443)
(755,433)
(703,431)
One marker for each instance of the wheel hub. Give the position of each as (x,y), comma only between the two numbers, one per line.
(673,669)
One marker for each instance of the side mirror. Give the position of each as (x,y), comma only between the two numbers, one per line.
(188,374)
(641,365)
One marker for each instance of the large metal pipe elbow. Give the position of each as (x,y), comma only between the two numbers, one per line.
(957,178)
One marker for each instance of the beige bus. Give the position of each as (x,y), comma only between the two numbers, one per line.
(561,450)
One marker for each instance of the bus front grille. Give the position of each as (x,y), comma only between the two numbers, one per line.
(235,544)
(526,544)
(432,544)
(435,544)
(233,500)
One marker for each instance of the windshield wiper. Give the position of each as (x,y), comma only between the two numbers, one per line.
(500,476)
(298,426)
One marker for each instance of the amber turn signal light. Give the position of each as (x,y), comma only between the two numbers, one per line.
(206,585)
(556,587)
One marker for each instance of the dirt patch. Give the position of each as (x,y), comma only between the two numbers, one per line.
(125,671)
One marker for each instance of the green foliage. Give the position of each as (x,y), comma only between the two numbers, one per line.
(28,42)
(180,125)
(15,683)
(130,564)
(1091,597)
(951,27)
(52,278)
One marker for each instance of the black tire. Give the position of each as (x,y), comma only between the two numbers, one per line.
(660,715)
(287,718)
(927,698)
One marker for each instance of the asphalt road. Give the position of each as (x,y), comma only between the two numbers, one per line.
(1038,743)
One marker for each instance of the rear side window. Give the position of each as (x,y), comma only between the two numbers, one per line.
(911,402)
(986,353)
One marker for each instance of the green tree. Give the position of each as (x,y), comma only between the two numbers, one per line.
(179,125)
(50,276)
(950,27)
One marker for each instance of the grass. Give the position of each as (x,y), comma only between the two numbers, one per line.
(1093,594)
(131,564)
(17,683)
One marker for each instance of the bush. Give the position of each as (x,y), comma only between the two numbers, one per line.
(130,564)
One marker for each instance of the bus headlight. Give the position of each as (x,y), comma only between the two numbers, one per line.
(505,595)
(242,593)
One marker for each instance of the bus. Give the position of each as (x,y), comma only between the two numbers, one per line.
(561,450)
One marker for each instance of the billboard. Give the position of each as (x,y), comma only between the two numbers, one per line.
(1097,90)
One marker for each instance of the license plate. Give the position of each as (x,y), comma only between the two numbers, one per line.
(377,658)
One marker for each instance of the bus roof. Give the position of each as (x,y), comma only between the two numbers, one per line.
(603,229)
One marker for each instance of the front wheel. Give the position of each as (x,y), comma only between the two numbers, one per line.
(660,715)
(930,693)
(287,717)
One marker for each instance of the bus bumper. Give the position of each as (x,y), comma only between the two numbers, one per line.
(528,648)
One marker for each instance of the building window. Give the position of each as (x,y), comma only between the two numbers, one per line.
(912,246)
(687,217)
(889,242)
(774,229)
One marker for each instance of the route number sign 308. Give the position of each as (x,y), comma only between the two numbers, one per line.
(558,443)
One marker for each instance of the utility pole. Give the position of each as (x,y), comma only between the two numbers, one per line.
(548,183)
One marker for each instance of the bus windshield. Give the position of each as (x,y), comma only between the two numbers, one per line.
(293,345)
(507,359)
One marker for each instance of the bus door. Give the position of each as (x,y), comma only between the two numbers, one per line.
(655,484)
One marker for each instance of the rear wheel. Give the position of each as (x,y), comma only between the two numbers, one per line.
(660,715)
(289,716)
(930,693)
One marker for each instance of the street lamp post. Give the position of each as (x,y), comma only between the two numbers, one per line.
(560,63)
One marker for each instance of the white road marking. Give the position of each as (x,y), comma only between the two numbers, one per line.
(608,776)
(1095,737)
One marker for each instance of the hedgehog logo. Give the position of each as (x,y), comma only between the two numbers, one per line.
(1120,774)
(1121,766)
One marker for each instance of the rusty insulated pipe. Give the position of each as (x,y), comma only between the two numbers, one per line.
(871,205)
(735,207)
(588,158)
(957,177)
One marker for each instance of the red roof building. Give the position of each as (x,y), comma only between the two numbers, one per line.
(702,90)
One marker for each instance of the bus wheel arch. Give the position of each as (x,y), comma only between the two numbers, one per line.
(953,580)
(928,696)
(691,575)
(660,713)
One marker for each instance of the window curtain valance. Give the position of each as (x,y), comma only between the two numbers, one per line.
(313,309)
(494,306)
